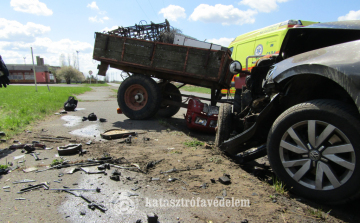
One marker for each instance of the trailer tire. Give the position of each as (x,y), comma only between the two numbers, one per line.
(224,124)
(170,110)
(139,97)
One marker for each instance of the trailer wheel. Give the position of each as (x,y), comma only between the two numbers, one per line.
(171,92)
(139,97)
(224,124)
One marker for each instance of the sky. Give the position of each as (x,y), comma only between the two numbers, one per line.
(53,28)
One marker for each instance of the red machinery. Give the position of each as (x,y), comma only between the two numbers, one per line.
(201,116)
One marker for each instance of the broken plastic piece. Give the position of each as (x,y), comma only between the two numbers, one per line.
(70,149)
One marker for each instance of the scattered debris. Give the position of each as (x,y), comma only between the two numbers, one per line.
(152,218)
(135,189)
(30,169)
(174,170)
(146,139)
(73,170)
(115,177)
(224,180)
(19,157)
(2,134)
(23,181)
(80,189)
(35,156)
(70,104)
(213,180)
(6,187)
(28,147)
(116,172)
(152,163)
(82,212)
(20,198)
(116,134)
(92,117)
(70,149)
(33,187)
(84,119)
(88,142)
(87,171)
(102,120)
(155,179)
(224,193)
(92,205)
(203,186)
(63,112)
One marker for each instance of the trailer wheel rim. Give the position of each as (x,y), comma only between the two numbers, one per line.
(136,97)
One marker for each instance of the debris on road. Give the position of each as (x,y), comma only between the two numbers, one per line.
(115,177)
(79,189)
(116,134)
(152,218)
(70,104)
(224,180)
(33,187)
(92,117)
(102,120)
(30,169)
(70,149)
(35,156)
(20,198)
(152,163)
(23,181)
(87,171)
(2,134)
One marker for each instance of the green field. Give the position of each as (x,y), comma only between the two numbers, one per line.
(21,105)
(197,89)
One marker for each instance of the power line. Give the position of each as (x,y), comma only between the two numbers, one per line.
(153,9)
(142,10)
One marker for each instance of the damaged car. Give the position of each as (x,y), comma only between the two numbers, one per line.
(301,109)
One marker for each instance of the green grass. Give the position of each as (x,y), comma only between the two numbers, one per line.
(196,89)
(193,143)
(278,185)
(96,85)
(4,167)
(21,105)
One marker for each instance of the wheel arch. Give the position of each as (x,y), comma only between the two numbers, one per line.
(313,81)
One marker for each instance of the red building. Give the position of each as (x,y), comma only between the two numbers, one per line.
(20,73)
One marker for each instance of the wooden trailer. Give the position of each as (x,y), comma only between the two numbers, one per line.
(139,96)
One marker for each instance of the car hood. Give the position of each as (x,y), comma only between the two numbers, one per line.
(344,58)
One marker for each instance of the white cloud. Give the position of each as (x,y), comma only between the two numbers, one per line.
(223,41)
(93,5)
(224,14)
(106,29)
(352,15)
(173,12)
(12,30)
(31,6)
(262,5)
(98,20)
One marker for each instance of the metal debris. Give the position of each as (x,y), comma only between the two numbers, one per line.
(6,187)
(74,189)
(174,170)
(20,198)
(87,171)
(115,177)
(42,185)
(155,179)
(23,181)
(153,163)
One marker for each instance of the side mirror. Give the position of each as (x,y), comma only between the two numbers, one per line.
(235,67)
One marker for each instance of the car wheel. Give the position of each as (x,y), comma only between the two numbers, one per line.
(224,124)
(313,148)
(139,97)
(171,93)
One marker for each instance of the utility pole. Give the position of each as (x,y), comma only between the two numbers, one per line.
(78,59)
(24,60)
(32,55)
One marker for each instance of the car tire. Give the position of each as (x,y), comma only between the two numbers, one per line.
(139,97)
(313,148)
(174,95)
(224,124)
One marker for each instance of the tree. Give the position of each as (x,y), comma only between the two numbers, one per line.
(68,73)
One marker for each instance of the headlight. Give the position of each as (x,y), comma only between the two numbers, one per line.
(235,67)
(200,121)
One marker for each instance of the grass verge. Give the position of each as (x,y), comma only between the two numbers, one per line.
(196,89)
(21,105)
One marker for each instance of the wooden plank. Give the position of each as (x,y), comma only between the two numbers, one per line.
(107,54)
(131,58)
(167,64)
(139,50)
(161,54)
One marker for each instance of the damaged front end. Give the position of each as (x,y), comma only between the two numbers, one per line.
(259,108)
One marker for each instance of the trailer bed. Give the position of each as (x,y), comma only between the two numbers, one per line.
(188,65)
